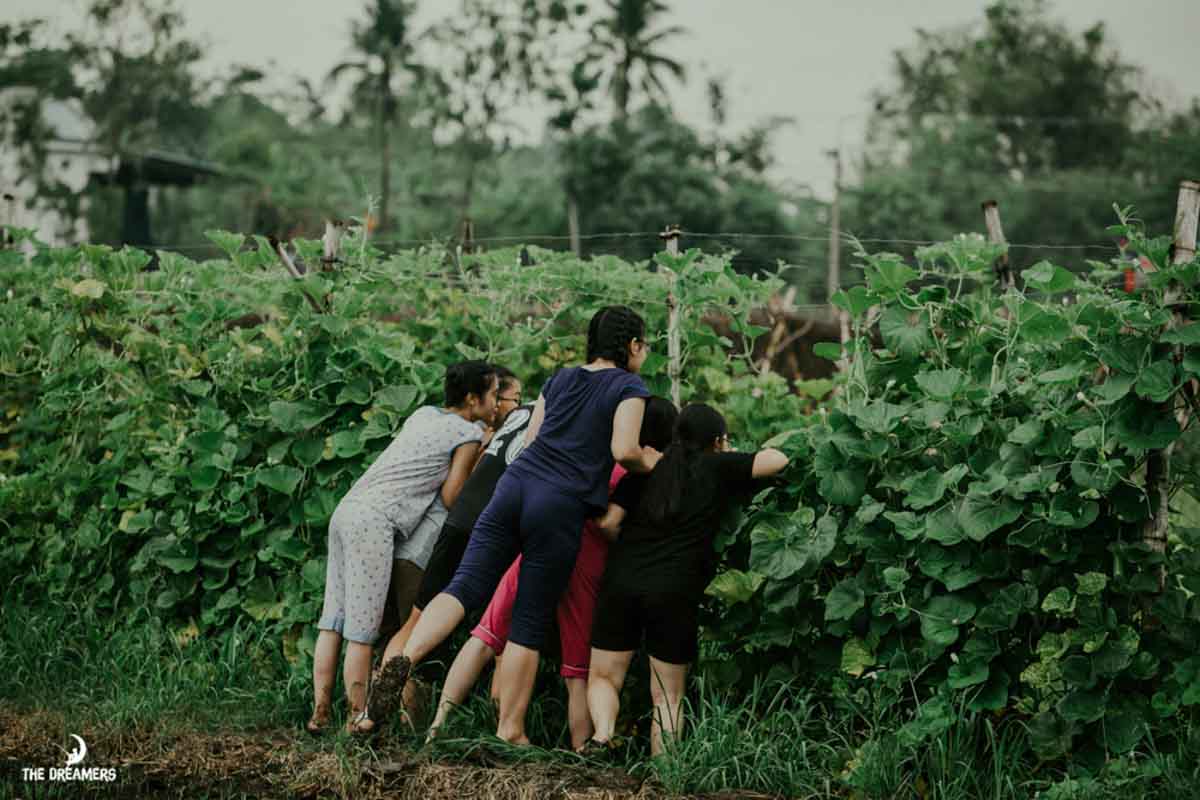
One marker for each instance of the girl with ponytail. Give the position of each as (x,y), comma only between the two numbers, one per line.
(662,562)
(586,419)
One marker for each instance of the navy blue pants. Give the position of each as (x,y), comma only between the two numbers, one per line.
(537,521)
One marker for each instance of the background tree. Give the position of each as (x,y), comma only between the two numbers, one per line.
(384,51)
(625,42)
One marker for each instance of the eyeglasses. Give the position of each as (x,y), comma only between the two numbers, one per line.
(516,399)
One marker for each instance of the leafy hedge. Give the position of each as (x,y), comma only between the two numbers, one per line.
(963,527)
(178,438)
(960,530)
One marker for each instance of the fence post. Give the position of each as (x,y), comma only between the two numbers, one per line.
(468,235)
(332,241)
(1158,465)
(10,218)
(991,218)
(674,355)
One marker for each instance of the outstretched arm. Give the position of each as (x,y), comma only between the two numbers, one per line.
(535,420)
(460,467)
(768,462)
(627,430)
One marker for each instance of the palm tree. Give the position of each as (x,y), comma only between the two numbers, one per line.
(626,36)
(384,48)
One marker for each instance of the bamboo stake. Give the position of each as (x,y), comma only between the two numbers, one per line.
(1158,465)
(294,270)
(674,354)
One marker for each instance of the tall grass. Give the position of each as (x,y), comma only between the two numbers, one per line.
(124,675)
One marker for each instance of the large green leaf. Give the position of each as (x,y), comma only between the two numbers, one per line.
(942,384)
(905,334)
(843,600)
(298,417)
(844,487)
(1157,381)
(734,586)
(981,516)
(1048,278)
(943,616)
(281,478)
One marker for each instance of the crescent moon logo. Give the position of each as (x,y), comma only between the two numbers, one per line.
(77,755)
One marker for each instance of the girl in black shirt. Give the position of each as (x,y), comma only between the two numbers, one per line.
(658,569)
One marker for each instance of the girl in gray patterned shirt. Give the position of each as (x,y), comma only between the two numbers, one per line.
(394,509)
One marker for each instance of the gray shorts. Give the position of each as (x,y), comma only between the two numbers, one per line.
(359,575)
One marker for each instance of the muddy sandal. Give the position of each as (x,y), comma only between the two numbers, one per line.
(386,692)
(361,725)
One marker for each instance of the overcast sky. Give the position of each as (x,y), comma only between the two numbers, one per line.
(815,61)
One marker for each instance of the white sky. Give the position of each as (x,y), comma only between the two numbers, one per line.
(815,61)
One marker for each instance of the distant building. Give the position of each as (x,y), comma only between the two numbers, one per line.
(73,162)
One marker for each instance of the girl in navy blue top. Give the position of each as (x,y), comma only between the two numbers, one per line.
(585,419)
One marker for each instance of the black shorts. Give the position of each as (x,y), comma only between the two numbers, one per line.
(670,622)
(443,563)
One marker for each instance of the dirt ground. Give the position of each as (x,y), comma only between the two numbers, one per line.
(283,763)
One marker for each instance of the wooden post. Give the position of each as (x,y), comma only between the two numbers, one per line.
(674,354)
(332,241)
(573,223)
(833,280)
(1158,465)
(10,217)
(995,232)
(468,235)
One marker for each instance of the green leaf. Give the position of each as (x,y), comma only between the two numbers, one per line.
(942,617)
(1091,583)
(908,524)
(856,657)
(1082,706)
(1065,374)
(903,335)
(308,451)
(942,384)
(204,478)
(167,598)
(843,601)
(397,398)
(1186,335)
(1044,328)
(888,277)
(926,488)
(980,517)
(1113,389)
(347,444)
(298,417)
(735,586)
(281,478)
(857,300)
(943,526)
(1027,432)
(895,578)
(844,487)
(1060,602)
(1157,381)
(313,573)
(830,351)
(1048,278)
(1050,735)
(357,391)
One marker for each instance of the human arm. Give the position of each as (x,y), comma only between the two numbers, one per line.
(768,462)
(609,523)
(461,464)
(535,422)
(627,429)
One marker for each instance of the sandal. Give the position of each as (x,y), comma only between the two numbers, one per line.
(355,725)
(385,694)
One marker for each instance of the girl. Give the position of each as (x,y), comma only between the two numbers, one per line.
(584,419)
(575,609)
(658,570)
(387,513)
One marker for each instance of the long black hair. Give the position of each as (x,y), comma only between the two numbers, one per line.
(699,426)
(658,423)
(611,330)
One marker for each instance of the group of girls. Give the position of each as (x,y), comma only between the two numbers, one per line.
(597,505)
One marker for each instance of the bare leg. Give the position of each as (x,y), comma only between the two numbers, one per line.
(494,689)
(356,671)
(395,645)
(325,657)
(606,676)
(441,617)
(667,683)
(470,662)
(578,718)
(514,680)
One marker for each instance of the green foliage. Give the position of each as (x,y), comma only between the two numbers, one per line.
(162,449)
(977,490)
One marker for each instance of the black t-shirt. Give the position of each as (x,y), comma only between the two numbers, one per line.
(677,554)
(504,448)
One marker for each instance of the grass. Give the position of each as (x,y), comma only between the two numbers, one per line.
(135,688)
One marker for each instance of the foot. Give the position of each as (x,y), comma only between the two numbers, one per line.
(319,721)
(360,724)
(387,690)
(598,750)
